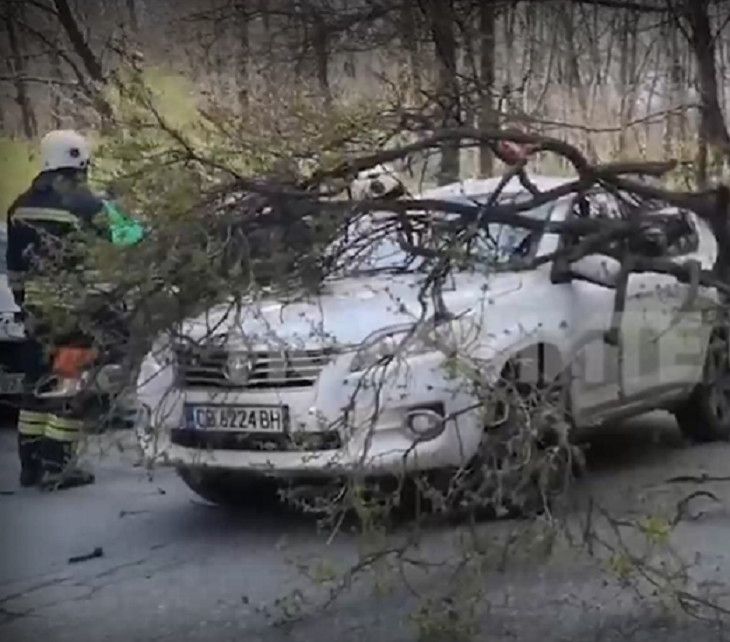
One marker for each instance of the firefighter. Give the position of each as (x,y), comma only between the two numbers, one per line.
(41,222)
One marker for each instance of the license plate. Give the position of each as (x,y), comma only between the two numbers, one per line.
(11,384)
(253,419)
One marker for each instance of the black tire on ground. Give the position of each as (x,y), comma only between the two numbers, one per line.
(705,416)
(229,489)
(525,460)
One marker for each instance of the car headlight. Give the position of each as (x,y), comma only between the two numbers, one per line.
(382,347)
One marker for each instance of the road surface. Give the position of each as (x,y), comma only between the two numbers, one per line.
(175,568)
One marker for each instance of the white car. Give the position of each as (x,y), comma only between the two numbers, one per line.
(12,339)
(350,382)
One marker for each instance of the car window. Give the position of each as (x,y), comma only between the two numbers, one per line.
(373,244)
(678,238)
(597,205)
(501,244)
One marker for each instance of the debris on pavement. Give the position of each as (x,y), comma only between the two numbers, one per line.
(96,553)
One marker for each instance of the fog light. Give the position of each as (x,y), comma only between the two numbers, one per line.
(425,422)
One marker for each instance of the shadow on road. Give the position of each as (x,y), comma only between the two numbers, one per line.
(641,441)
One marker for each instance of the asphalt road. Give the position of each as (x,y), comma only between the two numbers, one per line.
(175,568)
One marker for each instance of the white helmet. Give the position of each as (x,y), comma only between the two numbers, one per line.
(376,182)
(65,149)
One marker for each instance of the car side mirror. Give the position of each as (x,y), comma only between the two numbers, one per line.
(598,269)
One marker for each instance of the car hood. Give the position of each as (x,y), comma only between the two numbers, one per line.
(346,312)
(7,301)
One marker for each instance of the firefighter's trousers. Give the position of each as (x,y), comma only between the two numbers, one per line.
(49,428)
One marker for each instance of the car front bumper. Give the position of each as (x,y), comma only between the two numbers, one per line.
(352,424)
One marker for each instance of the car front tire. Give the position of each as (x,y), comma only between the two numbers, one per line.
(525,460)
(705,416)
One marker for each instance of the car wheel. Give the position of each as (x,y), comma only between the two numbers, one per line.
(229,489)
(705,416)
(525,459)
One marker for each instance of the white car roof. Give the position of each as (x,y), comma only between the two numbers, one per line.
(479,186)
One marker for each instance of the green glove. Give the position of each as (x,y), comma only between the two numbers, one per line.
(125,231)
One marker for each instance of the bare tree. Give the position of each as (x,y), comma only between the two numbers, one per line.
(18,69)
(441,19)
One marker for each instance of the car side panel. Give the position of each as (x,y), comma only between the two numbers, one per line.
(573,318)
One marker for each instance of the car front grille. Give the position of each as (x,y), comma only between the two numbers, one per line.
(229,440)
(203,367)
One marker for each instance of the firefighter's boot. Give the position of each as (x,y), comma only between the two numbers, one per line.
(29,447)
(59,469)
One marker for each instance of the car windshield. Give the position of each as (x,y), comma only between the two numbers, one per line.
(373,244)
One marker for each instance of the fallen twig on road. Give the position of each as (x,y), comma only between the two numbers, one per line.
(95,554)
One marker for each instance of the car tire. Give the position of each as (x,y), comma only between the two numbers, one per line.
(705,416)
(229,489)
(525,458)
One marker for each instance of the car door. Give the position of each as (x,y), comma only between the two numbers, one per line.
(594,362)
(662,343)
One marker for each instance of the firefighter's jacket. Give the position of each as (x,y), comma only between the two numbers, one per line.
(41,225)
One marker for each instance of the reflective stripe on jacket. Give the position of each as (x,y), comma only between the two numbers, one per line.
(45,215)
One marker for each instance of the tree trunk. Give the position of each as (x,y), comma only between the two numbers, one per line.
(56,73)
(18,68)
(78,41)
(321,44)
(269,62)
(575,83)
(409,38)
(90,61)
(487,115)
(669,34)
(133,16)
(627,71)
(713,130)
(440,16)
(243,48)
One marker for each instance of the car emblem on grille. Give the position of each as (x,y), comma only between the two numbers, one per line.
(239,368)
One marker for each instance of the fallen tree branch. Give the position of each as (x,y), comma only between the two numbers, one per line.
(40,80)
